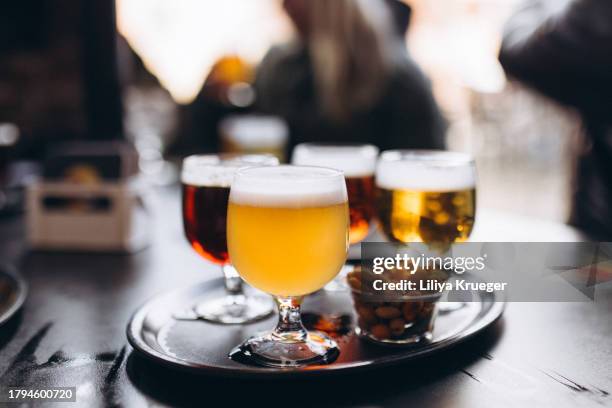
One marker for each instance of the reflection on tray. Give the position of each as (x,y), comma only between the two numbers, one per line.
(333,325)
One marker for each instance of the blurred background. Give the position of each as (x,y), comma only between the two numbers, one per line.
(164,76)
(522,142)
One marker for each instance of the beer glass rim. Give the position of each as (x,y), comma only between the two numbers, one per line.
(229,159)
(368,148)
(240,129)
(354,159)
(430,158)
(331,172)
(220,169)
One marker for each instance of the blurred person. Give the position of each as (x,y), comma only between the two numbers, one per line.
(564,50)
(347,77)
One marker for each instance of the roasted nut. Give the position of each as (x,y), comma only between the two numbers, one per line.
(397,326)
(402,274)
(409,311)
(388,312)
(380,331)
(426,310)
(367,314)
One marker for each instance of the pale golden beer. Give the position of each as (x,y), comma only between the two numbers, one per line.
(427,216)
(288,251)
(285,241)
(426,196)
(358,163)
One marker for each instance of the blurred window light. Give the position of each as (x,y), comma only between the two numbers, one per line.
(522,142)
(180,40)
(457,42)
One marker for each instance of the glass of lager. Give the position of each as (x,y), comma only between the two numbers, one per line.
(287,232)
(426,196)
(206,181)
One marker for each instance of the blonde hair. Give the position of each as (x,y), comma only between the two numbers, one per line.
(349,43)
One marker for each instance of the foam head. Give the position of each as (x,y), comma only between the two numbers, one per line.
(425,170)
(289,186)
(255,131)
(214,170)
(356,160)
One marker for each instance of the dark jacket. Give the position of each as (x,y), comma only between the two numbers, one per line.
(406,115)
(564,49)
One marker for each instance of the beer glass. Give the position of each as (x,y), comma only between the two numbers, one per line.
(206,183)
(254,134)
(287,231)
(426,196)
(358,162)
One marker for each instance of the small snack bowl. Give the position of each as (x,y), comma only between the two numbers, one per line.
(406,319)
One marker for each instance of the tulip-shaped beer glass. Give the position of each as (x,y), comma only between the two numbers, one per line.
(287,230)
(206,183)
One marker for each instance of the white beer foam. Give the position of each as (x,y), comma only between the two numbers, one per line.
(354,161)
(288,186)
(255,131)
(219,171)
(438,176)
(221,176)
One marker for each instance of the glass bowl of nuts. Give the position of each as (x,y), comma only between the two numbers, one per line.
(404,317)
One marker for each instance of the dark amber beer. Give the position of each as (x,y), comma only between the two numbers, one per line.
(358,163)
(206,183)
(361,195)
(204,220)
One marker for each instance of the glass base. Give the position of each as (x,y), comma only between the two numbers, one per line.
(279,351)
(235,309)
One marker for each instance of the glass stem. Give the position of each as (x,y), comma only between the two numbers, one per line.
(289,328)
(233,282)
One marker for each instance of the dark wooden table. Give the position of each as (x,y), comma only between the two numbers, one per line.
(71,332)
